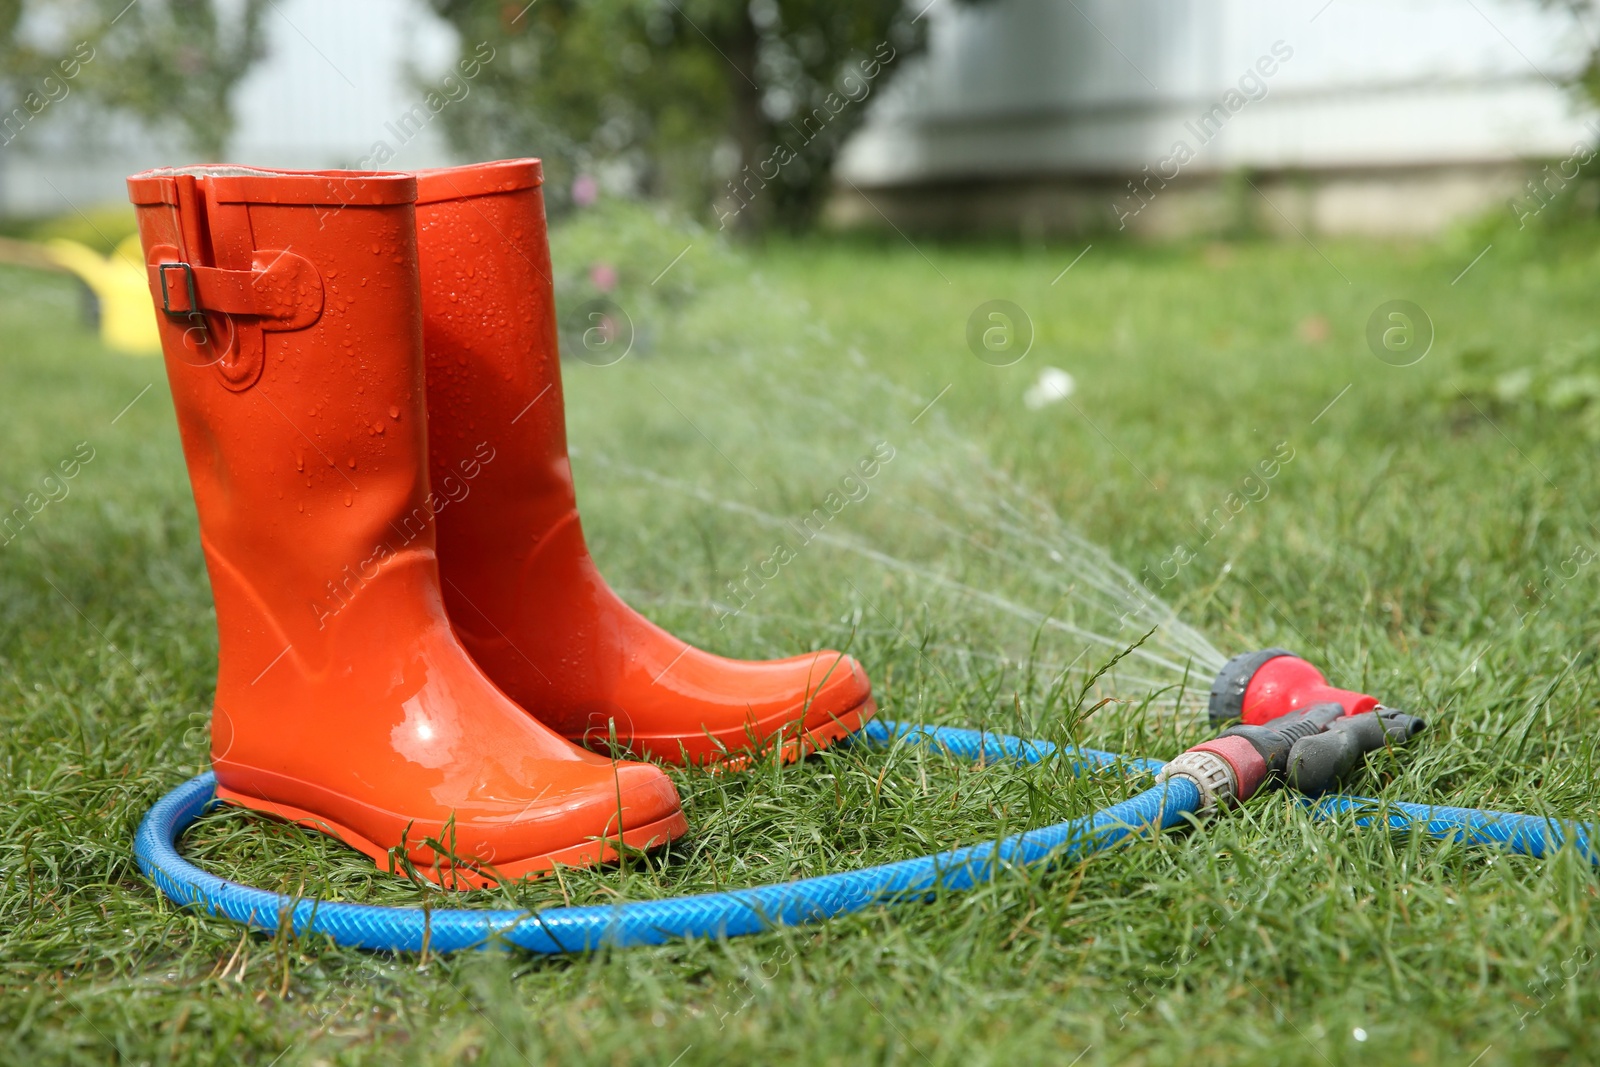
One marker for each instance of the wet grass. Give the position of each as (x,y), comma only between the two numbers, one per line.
(1415,545)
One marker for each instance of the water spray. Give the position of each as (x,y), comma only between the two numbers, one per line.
(1291,729)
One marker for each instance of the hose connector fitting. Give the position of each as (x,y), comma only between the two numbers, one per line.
(1211,774)
(1228,770)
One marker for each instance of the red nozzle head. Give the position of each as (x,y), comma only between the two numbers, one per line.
(1257,687)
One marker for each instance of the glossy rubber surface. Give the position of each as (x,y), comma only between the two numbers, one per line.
(344,700)
(709,915)
(520,585)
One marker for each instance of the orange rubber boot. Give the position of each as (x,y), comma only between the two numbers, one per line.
(292,332)
(521,589)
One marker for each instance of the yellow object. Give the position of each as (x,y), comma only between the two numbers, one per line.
(127,321)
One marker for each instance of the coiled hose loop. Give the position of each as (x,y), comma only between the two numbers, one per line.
(747,911)
(653,922)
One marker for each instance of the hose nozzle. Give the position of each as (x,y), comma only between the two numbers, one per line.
(1257,687)
(1291,727)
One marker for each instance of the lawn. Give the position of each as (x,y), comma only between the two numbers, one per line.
(1419,536)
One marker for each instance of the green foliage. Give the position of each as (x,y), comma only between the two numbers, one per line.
(1586,79)
(101,227)
(22,62)
(174,64)
(649,260)
(1561,383)
(699,100)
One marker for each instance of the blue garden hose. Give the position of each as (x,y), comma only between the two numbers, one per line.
(1529,835)
(747,911)
(708,915)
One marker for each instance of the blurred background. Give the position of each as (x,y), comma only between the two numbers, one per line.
(1033,117)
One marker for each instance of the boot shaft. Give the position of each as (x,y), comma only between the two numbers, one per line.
(291,326)
(523,594)
(493,361)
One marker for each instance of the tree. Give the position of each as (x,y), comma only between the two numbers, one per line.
(172,63)
(176,63)
(1585,80)
(739,104)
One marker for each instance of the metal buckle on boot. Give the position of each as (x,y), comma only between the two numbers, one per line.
(188,280)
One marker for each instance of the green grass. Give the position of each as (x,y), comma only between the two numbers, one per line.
(1402,548)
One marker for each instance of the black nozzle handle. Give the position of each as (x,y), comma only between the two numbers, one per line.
(1274,740)
(1317,762)
(1398,725)
(1309,720)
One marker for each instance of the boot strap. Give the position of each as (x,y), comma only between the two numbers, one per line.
(282,288)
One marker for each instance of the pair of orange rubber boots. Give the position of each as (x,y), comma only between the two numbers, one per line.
(414,640)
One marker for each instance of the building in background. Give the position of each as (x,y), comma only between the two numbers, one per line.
(335,87)
(1167,117)
(1162,117)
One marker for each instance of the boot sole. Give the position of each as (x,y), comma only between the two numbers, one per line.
(452,876)
(738,754)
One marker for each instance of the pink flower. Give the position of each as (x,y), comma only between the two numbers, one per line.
(585,190)
(604,277)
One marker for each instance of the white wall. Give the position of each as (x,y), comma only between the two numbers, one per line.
(333,80)
(1018,88)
